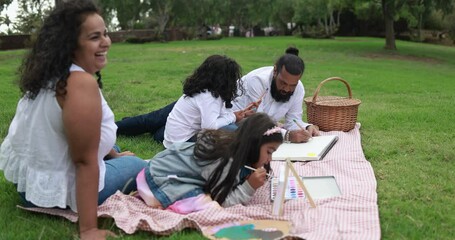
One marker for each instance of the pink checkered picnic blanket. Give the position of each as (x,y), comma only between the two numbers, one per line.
(353,215)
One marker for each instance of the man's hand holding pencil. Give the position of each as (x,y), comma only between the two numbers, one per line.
(303,135)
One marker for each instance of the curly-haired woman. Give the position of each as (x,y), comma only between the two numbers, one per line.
(63,128)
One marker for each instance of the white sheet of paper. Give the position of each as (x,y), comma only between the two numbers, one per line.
(313,150)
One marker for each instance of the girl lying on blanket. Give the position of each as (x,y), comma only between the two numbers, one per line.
(190,177)
(206,101)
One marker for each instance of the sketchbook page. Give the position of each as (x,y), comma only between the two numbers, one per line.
(315,149)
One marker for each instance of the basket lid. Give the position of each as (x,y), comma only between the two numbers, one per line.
(334,101)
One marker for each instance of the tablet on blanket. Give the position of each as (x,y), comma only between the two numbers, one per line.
(313,150)
(318,187)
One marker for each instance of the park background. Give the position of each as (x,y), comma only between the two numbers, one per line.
(164,20)
(407,112)
(407,118)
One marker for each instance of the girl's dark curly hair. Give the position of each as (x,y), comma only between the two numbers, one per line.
(218,75)
(47,64)
(243,147)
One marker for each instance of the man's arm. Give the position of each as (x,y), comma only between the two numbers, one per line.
(295,111)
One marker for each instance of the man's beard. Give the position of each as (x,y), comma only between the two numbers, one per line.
(277,95)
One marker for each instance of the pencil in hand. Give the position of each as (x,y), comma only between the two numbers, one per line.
(300,126)
(254,169)
(263,94)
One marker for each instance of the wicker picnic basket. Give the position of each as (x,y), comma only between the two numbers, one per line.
(332,113)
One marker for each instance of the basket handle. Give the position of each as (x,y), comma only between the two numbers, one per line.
(315,96)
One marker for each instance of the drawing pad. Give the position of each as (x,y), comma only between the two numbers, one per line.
(313,150)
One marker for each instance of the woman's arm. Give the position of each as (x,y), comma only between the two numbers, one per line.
(82,123)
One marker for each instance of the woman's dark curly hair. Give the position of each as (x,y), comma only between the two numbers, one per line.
(218,75)
(243,147)
(47,64)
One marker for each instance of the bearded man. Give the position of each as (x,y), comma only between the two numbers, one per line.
(277,91)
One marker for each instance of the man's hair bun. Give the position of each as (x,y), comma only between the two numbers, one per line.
(292,50)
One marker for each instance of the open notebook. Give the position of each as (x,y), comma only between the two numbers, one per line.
(313,150)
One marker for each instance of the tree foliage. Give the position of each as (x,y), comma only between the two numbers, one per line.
(31,15)
(4,4)
(127,12)
(160,13)
(316,18)
(4,19)
(320,18)
(415,12)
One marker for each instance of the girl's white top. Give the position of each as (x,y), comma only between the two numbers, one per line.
(192,114)
(35,153)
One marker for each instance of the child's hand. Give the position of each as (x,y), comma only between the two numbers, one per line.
(239,115)
(249,112)
(252,106)
(258,178)
(250,109)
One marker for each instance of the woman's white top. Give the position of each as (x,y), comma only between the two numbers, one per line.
(35,153)
(192,114)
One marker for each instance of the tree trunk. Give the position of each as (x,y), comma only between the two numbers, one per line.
(387,10)
(419,30)
(326,26)
(338,17)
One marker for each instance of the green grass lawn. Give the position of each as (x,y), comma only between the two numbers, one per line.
(407,116)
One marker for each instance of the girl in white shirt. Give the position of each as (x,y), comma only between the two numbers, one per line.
(206,100)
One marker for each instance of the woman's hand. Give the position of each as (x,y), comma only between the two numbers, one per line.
(258,178)
(95,234)
(115,154)
(125,153)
